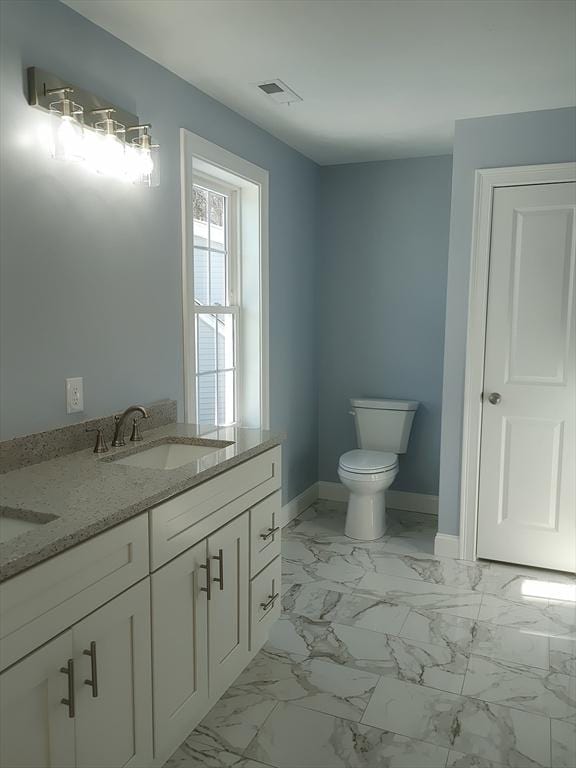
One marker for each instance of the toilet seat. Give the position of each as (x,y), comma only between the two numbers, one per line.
(368,462)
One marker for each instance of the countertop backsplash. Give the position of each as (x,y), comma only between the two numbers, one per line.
(32,449)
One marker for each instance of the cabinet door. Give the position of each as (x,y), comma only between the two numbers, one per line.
(36,730)
(113,683)
(180,648)
(228,605)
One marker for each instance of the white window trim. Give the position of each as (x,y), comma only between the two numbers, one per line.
(193,151)
(486,181)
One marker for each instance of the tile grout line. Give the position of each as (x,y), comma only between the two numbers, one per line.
(262,724)
(459,589)
(452,693)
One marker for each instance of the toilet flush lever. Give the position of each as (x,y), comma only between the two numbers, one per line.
(352,413)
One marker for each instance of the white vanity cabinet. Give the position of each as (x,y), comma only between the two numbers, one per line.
(180,643)
(228,607)
(200,630)
(35,730)
(113,651)
(85,693)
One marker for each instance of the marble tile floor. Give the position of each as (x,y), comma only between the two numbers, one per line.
(388,657)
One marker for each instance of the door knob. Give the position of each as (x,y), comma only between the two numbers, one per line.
(494,398)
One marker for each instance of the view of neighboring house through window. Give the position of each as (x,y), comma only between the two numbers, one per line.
(215,308)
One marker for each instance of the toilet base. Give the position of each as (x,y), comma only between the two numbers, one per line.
(366,516)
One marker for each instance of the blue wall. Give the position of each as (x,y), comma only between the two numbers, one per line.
(528,138)
(384,252)
(91,269)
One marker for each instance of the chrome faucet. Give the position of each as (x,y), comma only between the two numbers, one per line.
(119,422)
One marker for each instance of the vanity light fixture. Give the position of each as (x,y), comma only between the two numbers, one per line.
(85,128)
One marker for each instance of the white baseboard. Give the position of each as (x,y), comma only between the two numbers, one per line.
(447,545)
(298,504)
(411,502)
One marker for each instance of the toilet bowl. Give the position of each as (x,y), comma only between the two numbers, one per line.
(383,429)
(367,475)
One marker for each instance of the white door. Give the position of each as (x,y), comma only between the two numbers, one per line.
(113,683)
(228,605)
(180,648)
(36,729)
(527,502)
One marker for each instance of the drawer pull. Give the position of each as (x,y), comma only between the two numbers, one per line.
(220,578)
(271,598)
(208,587)
(70,702)
(270,532)
(93,683)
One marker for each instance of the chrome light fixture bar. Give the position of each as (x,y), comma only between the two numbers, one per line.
(107,138)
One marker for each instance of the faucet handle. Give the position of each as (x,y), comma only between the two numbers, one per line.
(136,435)
(101,445)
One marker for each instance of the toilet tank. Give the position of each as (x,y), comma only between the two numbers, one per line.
(383,425)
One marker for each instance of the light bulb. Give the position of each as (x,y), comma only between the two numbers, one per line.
(69,145)
(146,162)
(109,159)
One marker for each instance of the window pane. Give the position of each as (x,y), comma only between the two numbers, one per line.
(206,399)
(199,203)
(200,214)
(201,276)
(205,343)
(218,221)
(218,278)
(217,210)
(226,409)
(225,341)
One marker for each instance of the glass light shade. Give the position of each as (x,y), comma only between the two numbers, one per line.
(150,165)
(144,159)
(133,168)
(143,165)
(107,149)
(67,130)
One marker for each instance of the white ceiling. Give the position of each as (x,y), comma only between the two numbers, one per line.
(380,79)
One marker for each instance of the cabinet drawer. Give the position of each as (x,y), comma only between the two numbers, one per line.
(40,603)
(264,532)
(185,520)
(265,603)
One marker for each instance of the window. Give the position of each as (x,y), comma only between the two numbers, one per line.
(215,310)
(225,286)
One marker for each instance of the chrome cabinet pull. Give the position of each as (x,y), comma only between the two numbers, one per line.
(208,587)
(70,702)
(271,598)
(93,683)
(269,532)
(220,578)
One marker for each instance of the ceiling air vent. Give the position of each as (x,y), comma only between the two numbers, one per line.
(278,91)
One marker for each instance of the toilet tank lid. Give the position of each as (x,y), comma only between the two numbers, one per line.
(388,405)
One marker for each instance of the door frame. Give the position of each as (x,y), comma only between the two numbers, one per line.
(485,182)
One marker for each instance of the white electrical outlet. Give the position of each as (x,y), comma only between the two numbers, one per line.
(75,395)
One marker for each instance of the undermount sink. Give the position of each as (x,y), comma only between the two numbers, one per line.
(14,521)
(171,455)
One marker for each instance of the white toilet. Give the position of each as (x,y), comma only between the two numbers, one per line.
(382,430)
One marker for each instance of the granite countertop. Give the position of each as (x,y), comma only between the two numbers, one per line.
(87,493)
